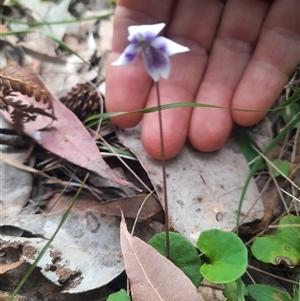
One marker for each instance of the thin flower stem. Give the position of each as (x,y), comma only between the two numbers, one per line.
(163,165)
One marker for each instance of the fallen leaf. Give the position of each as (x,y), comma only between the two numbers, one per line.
(5,267)
(152,276)
(12,199)
(129,205)
(65,137)
(84,255)
(205,187)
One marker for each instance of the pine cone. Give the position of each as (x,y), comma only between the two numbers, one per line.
(83,100)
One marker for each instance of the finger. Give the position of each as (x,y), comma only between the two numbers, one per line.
(231,52)
(193,25)
(276,56)
(127,87)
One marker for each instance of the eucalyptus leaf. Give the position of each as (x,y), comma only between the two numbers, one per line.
(203,188)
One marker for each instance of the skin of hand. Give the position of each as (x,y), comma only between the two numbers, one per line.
(241,55)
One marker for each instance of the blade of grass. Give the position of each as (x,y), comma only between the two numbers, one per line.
(122,152)
(105,116)
(64,217)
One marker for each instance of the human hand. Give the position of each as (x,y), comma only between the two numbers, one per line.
(241,54)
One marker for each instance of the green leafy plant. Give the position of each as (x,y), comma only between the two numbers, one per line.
(119,296)
(261,292)
(182,253)
(232,290)
(284,245)
(227,253)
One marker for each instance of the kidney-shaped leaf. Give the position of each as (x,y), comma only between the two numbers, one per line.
(182,253)
(152,276)
(284,245)
(227,253)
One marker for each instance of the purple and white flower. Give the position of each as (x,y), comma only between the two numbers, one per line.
(155,49)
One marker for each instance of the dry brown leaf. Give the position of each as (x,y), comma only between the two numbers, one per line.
(66,137)
(206,187)
(5,267)
(152,276)
(129,205)
(84,255)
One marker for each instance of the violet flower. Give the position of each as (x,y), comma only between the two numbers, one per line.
(155,50)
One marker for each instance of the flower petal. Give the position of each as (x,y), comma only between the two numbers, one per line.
(128,56)
(157,63)
(147,32)
(168,46)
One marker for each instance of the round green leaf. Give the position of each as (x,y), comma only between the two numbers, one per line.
(182,253)
(260,292)
(119,296)
(284,245)
(227,254)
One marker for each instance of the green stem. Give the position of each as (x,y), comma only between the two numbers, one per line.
(163,165)
(240,290)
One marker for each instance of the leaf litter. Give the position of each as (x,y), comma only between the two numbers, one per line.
(85,235)
(203,187)
(13,200)
(149,281)
(210,201)
(66,137)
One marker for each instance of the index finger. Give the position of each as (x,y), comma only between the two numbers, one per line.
(127,87)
